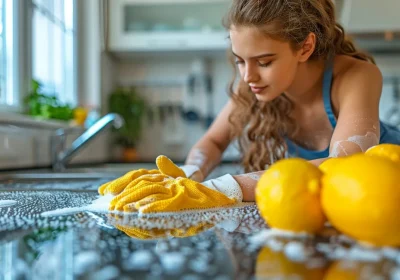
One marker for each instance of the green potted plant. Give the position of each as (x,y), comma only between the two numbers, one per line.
(131,107)
(45,106)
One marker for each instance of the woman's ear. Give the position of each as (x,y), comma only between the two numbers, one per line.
(308,47)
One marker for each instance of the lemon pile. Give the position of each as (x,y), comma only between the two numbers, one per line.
(358,194)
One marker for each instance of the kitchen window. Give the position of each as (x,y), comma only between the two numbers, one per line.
(8,53)
(53,47)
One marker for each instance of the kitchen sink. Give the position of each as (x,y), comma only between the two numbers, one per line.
(105,171)
(35,177)
(69,181)
(83,178)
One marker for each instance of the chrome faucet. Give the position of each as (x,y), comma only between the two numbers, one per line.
(60,155)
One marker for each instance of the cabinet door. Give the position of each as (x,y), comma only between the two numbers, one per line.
(360,16)
(177,25)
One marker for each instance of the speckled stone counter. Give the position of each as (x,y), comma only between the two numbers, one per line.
(232,243)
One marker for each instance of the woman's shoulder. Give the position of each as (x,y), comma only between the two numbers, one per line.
(351,74)
(346,68)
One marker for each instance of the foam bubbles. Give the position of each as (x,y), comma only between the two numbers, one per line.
(7,203)
(140,260)
(173,263)
(364,142)
(85,261)
(296,251)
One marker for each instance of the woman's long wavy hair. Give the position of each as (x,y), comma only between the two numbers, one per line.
(260,127)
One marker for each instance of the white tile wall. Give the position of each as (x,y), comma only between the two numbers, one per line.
(156,138)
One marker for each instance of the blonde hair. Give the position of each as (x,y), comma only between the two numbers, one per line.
(261,126)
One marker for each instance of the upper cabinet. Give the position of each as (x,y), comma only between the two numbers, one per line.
(196,25)
(167,25)
(369,16)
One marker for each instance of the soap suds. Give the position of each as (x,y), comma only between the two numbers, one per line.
(296,251)
(140,260)
(199,158)
(339,247)
(86,261)
(7,203)
(363,142)
(108,272)
(255,176)
(99,205)
(268,233)
(173,262)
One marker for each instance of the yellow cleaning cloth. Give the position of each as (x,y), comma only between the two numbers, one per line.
(169,195)
(144,180)
(116,186)
(139,233)
(142,233)
(167,167)
(164,164)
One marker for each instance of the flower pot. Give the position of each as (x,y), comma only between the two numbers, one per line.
(129,155)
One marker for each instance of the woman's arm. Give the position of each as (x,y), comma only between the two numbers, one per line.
(248,181)
(207,152)
(358,94)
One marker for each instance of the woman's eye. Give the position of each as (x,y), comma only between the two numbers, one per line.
(239,62)
(264,64)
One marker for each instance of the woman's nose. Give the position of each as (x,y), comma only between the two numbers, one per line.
(250,75)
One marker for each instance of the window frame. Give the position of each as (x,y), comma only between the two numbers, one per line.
(22,27)
(75,48)
(17,71)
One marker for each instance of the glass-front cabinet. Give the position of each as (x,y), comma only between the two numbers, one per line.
(167,25)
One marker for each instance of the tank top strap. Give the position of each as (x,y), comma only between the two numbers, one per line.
(326,91)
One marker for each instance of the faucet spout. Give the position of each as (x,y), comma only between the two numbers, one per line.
(62,156)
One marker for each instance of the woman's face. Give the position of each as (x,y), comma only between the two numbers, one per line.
(267,65)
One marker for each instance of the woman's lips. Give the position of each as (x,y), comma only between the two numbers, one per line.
(257,89)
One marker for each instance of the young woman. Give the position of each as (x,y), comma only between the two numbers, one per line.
(304,91)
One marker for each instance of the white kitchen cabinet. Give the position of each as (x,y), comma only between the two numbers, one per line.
(167,25)
(369,16)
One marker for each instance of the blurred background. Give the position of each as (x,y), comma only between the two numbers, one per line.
(160,64)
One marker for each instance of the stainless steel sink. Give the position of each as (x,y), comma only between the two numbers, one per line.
(113,168)
(34,177)
(54,181)
(84,178)
(106,171)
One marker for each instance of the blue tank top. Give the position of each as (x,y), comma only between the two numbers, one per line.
(389,134)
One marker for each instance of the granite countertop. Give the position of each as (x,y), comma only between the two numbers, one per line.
(230,243)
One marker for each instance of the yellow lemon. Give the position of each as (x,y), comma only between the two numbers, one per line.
(275,265)
(361,197)
(352,270)
(390,151)
(288,196)
(328,164)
